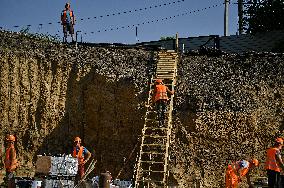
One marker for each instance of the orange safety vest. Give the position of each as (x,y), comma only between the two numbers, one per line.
(79,155)
(63,17)
(232,180)
(161,93)
(8,161)
(271,163)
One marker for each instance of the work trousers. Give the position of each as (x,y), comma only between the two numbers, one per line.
(274,179)
(80,173)
(161,108)
(10,179)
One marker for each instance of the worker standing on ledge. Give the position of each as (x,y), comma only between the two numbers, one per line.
(239,169)
(68,22)
(83,156)
(10,161)
(274,164)
(160,98)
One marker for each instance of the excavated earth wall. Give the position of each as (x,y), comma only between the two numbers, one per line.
(50,93)
(226,108)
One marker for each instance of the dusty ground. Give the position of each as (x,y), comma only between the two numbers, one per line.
(226,108)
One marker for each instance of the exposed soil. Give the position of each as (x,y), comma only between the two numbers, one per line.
(226,108)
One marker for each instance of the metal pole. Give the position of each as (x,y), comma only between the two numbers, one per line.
(240,14)
(176,42)
(136,33)
(77,37)
(226,18)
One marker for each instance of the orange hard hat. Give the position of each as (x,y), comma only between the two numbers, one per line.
(279,140)
(159,81)
(77,139)
(255,162)
(11,137)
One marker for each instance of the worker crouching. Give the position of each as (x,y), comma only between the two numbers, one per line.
(236,171)
(10,161)
(83,156)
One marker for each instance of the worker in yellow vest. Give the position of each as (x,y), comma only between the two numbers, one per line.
(274,164)
(83,156)
(239,169)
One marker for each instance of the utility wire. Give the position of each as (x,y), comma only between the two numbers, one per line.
(144,23)
(112,14)
(154,21)
(135,10)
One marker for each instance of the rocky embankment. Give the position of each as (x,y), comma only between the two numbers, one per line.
(227,107)
(50,92)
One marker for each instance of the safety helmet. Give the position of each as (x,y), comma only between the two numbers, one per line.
(279,140)
(10,137)
(77,139)
(158,81)
(255,162)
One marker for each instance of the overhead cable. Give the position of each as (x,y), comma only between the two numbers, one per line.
(154,21)
(113,14)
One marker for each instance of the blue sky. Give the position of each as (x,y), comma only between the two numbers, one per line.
(205,22)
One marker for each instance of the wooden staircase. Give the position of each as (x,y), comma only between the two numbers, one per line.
(152,164)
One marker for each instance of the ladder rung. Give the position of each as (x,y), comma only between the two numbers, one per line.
(155,128)
(166,60)
(166,63)
(165,77)
(153,171)
(152,162)
(152,153)
(156,121)
(149,180)
(163,84)
(163,145)
(171,67)
(156,111)
(163,72)
(152,136)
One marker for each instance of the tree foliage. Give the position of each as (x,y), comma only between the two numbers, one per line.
(263,15)
(167,38)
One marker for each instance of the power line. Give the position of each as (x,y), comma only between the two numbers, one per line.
(154,21)
(113,14)
(135,10)
(143,23)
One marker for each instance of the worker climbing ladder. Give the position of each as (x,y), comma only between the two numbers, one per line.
(152,164)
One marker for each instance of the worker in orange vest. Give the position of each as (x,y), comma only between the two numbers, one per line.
(68,22)
(10,161)
(160,98)
(239,169)
(274,164)
(83,156)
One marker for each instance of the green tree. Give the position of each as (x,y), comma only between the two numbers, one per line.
(167,38)
(263,15)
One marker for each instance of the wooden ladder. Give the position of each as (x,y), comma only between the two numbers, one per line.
(152,163)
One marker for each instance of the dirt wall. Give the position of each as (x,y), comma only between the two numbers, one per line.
(50,93)
(227,108)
